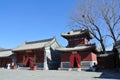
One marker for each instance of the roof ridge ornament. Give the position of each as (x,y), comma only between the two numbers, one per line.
(84,28)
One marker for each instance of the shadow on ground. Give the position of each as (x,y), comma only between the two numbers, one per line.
(109,75)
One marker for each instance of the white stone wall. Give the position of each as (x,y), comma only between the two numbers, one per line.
(65,65)
(84,64)
(87,64)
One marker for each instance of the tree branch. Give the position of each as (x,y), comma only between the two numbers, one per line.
(118,36)
(116,22)
(109,36)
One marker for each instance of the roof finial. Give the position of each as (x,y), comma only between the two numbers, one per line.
(83,28)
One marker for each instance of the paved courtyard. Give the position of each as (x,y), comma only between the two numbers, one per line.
(55,75)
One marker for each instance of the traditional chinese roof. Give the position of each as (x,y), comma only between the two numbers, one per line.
(35,44)
(77,48)
(78,33)
(5,53)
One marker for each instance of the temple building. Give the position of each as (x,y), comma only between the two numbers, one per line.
(6,57)
(79,53)
(47,54)
(40,53)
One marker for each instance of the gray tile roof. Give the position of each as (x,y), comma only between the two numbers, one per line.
(34,45)
(78,33)
(77,48)
(5,53)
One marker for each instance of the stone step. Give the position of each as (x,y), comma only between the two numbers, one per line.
(70,69)
(28,68)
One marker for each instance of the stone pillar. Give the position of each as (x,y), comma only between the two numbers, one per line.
(46,55)
(45,62)
(13,60)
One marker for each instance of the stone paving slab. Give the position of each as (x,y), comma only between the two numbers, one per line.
(53,75)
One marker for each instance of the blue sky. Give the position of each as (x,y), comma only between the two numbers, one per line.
(29,20)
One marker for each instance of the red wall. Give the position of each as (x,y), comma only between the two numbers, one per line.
(37,57)
(65,57)
(83,56)
(4,61)
(19,58)
(88,57)
(94,57)
(78,42)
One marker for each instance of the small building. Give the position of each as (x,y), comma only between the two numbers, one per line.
(79,53)
(40,53)
(6,57)
(106,61)
(117,46)
(117,53)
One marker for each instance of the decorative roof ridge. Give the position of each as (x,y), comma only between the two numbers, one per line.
(80,30)
(39,41)
(76,32)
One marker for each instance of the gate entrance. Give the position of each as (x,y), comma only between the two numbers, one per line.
(28,62)
(75,61)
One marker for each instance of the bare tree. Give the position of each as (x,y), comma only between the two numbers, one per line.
(111,15)
(99,17)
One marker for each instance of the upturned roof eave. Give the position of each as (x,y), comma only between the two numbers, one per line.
(5,53)
(67,35)
(63,49)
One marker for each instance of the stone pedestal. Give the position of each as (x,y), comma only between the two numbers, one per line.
(70,69)
(14,67)
(74,69)
(34,68)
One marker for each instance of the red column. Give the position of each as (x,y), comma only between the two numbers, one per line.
(31,62)
(25,62)
(77,57)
